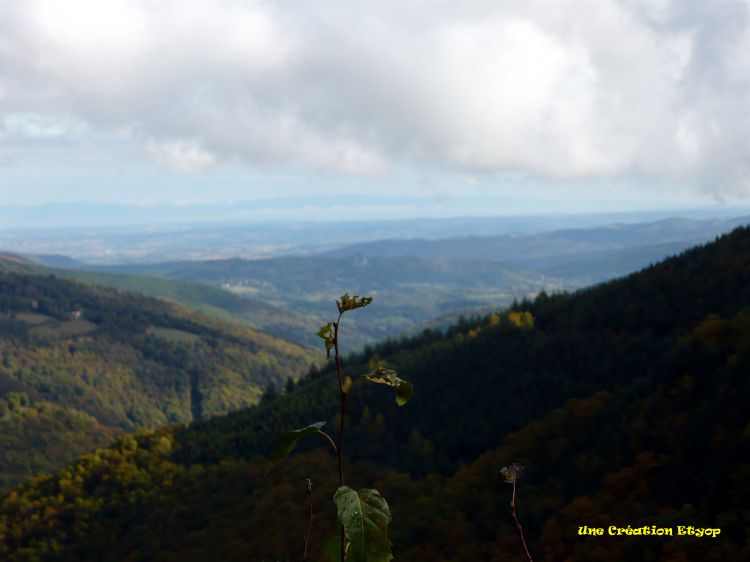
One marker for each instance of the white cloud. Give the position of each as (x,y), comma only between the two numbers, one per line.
(565,91)
(180,155)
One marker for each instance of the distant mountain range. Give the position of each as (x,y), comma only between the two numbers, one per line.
(415,281)
(553,248)
(157,241)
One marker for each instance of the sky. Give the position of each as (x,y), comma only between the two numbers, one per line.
(374,109)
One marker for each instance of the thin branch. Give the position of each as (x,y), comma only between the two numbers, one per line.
(342,400)
(330,440)
(518,524)
(312,517)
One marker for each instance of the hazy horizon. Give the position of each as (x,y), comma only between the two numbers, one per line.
(82,215)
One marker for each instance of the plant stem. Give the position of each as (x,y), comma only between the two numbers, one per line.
(328,438)
(518,524)
(342,401)
(312,516)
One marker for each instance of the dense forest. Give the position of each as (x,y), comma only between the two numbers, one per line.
(210,301)
(626,402)
(79,364)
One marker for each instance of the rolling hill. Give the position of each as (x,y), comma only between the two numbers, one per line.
(552,247)
(410,291)
(626,403)
(79,364)
(417,282)
(13,263)
(211,301)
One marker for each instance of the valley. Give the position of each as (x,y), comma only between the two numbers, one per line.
(416,282)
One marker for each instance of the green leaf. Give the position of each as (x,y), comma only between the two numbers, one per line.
(350,303)
(326,334)
(333,548)
(388,377)
(365,517)
(286,442)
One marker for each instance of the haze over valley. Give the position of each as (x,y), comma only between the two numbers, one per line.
(419,281)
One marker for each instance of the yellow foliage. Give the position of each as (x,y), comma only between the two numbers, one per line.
(521,319)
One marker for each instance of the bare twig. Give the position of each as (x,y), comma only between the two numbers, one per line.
(312,517)
(512,474)
(518,524)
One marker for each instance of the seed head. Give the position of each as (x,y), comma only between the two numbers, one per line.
(512,473)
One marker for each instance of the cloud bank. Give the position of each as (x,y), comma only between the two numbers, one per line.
(568,91)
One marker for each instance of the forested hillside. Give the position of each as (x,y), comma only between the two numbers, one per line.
(13,263)
(79,364)
(626,403)
(211,301)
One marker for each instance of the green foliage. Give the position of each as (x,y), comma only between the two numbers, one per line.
(365,517)
(350,303)
(388,377)
(332,548)
(326,334)
(286,442)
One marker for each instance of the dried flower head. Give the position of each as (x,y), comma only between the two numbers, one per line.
(512,473)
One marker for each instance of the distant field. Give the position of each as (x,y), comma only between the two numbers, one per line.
(172,334)
(47,326)
(242,290)
(34,319)
(57,329)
